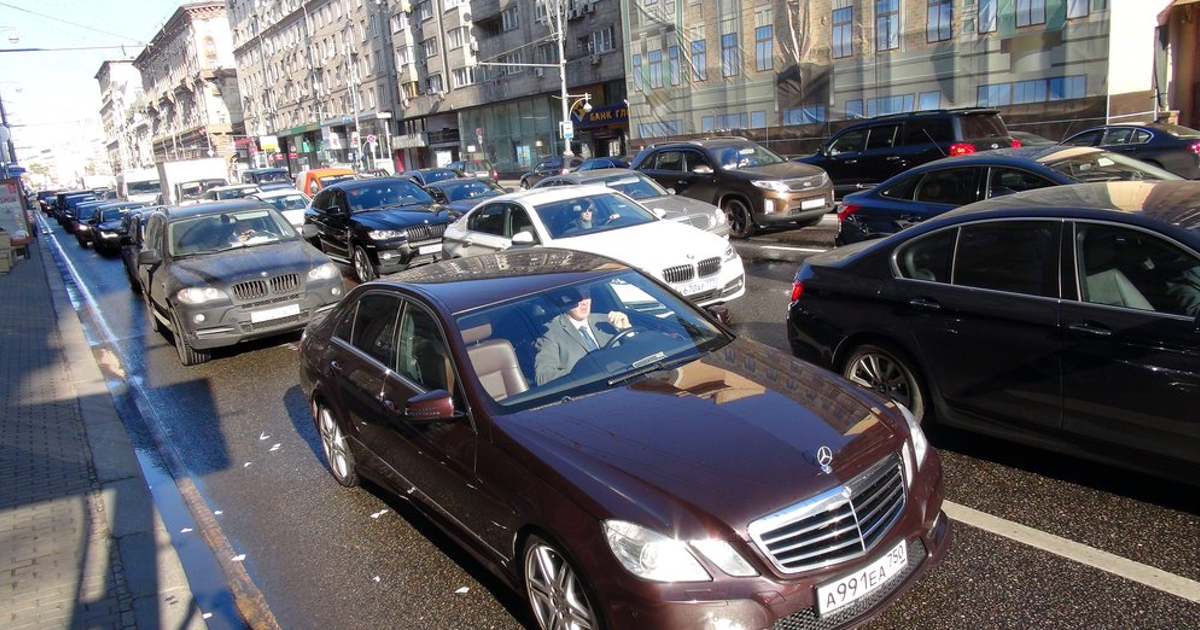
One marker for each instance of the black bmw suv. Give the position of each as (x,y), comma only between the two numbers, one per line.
(866,153)
(379,226)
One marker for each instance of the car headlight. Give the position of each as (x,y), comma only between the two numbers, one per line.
(199,295)
(920,443)
(652,556)
(326,271)
(725,557)
(385,235)
(771,184)
(730,253)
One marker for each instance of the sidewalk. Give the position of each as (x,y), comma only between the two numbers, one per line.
(81,542)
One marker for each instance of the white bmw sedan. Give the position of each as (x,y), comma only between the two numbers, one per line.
(700,266)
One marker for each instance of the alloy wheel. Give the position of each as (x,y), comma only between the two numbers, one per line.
(337,451)
(362,265)
(880,370)
(556,592)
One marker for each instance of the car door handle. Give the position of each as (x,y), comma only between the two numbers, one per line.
(893,158)
(390,405)
(337,367)
(1090,330)
(925,304)
(851,161)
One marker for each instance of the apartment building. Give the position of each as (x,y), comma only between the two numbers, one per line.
(193,104)
(120,95)
(788,72)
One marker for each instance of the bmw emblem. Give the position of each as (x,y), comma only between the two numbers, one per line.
(995,146)
(263,274)
(824,459)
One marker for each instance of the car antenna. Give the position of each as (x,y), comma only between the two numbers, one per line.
(935,142)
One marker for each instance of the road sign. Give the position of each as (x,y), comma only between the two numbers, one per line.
(371,138)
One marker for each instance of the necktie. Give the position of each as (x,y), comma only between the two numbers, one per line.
(588,339)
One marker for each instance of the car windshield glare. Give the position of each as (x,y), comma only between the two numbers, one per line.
(471,189)
(637,187)
(112,214)
(591,214)
(392,193)
(1102,166)
(136,188)
(439,175)
(228,230)
(662,331)
(290,202)
(743,156)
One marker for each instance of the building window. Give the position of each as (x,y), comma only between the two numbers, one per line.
(404,56)
(995,95)
(733,121)
(656,80)
(1078,8)
(987,16)
(1033,91)
(454,38)
(758,119)
(939,16)
(887,24)
(763,48)
(890,105)
(637,73)
(509,58)
(1029,91)
(399,22)
(433,84)
(673,63)
(1031,12)
(930,100)
(699,61)
(463,76)
(843,43)
(730,64)
(706,124)
(425,10)
(1068,87)
(429,47)
(546,53)
(854,108)
(509,19)
(658,129)
(807,115)
(602,40)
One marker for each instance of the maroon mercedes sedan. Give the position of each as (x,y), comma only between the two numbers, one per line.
(616,454)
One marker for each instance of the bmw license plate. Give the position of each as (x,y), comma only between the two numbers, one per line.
(838,594)
(809,204)
(275,313)
(429,249)
(698,286)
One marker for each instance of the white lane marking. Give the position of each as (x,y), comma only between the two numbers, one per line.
(810,250)
(1078,552)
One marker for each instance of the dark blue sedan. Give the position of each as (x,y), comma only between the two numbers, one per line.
(943,185)
(1171,147)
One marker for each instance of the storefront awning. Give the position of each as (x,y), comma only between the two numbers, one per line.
(1165,15)
(295,131)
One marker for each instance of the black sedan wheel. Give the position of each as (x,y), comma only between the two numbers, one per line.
(187,354)
(883,370)
(362,265)
(337,450)
(741,221)
(557,593)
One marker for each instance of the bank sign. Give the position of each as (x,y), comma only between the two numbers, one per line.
(602,117)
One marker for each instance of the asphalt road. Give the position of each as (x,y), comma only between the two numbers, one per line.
(1041,540)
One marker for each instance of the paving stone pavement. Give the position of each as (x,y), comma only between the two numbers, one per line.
(81,542)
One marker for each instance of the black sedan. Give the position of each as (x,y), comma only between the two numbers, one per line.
(106,225)
(1066,317)
(1172,147)
(461,194)
(379,225)
(676,476)
(427,176)
(940,186)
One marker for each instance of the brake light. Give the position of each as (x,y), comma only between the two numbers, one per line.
(961,148)
(797,289)
(1016,143)
(1196,147)
(846,210)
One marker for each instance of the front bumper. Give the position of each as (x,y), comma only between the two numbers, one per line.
(225,323)
(727,284)
(794,207)
(400,254)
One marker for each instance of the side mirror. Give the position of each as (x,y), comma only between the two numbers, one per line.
(703,169)
(309,231)
(671,191)
(658,212)
(720,312)
(432,406)
(148,257)
(523,238)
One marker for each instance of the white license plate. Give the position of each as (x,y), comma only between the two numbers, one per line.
(699,286)
(429,249)
(842,592)
(275,313)
(809,204)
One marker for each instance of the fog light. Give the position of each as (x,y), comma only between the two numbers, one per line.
(199,318)
(336,290)
(385,256)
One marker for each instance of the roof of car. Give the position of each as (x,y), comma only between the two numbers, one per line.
(462,284)
(265,170)
(1173,202)
(271,193)
(211,207)
(551,194)
(596,173)
(366,183)
(1040,153)
(232,187)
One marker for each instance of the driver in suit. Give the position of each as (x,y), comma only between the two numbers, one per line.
(572,334)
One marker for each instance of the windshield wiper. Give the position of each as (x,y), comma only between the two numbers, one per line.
(646,365)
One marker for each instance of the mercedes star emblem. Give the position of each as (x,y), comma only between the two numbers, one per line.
(825,459)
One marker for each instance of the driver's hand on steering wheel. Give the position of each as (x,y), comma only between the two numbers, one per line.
(619,320)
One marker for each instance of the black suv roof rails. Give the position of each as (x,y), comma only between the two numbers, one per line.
(930,112)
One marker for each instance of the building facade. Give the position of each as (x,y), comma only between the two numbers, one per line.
(121,96)
(788,73)
(193,103)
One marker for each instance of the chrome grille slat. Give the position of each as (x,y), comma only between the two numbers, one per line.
(708,267)
(261,288)
(680,273)
(425,232)
(841,524)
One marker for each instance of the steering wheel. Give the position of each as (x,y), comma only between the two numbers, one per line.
(620,337)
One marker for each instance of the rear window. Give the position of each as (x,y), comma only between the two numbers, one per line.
(926,130)
(982,126)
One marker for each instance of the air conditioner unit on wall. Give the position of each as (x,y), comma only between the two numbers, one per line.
(587,8)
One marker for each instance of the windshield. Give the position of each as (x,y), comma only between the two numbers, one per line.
(743,156)
(330,180)
(85,212)
(590,215)
(636,186)
(388,194)
(1102,166)
(658,330)
(472,189)
(982,126)
(270,176)
(289,202)
(112,214)
(228,230)
(143,188)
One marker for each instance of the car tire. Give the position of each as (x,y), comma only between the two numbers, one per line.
(188,355)
(364,270)
(524,185)
(740,219)
(82,241)
(558,595)
(338,454)
(890,373)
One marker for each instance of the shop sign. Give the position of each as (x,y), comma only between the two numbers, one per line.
(605,116)
(268,143)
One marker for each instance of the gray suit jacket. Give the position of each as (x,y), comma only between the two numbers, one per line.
(561,346)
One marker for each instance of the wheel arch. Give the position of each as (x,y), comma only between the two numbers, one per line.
(890,343)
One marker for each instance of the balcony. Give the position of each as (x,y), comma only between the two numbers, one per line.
(443,136)
(483,9)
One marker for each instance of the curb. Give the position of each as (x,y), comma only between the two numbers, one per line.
(162,597)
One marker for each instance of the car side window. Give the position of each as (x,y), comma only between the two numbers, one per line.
(1006,181)
(1128,268)
(518,221)
(928,258)
(669,161)
(928,130)
(951,186)
(902,189)
(1086,139)
(323,200)
(488,219)
(852,141)
(154,233)
(1119,135)
(375,328)
(422,356)
(882,137)
(1013,256)
(1140,136)
(345,328)
(692,159)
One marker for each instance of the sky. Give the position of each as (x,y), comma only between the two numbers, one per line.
(50,96)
